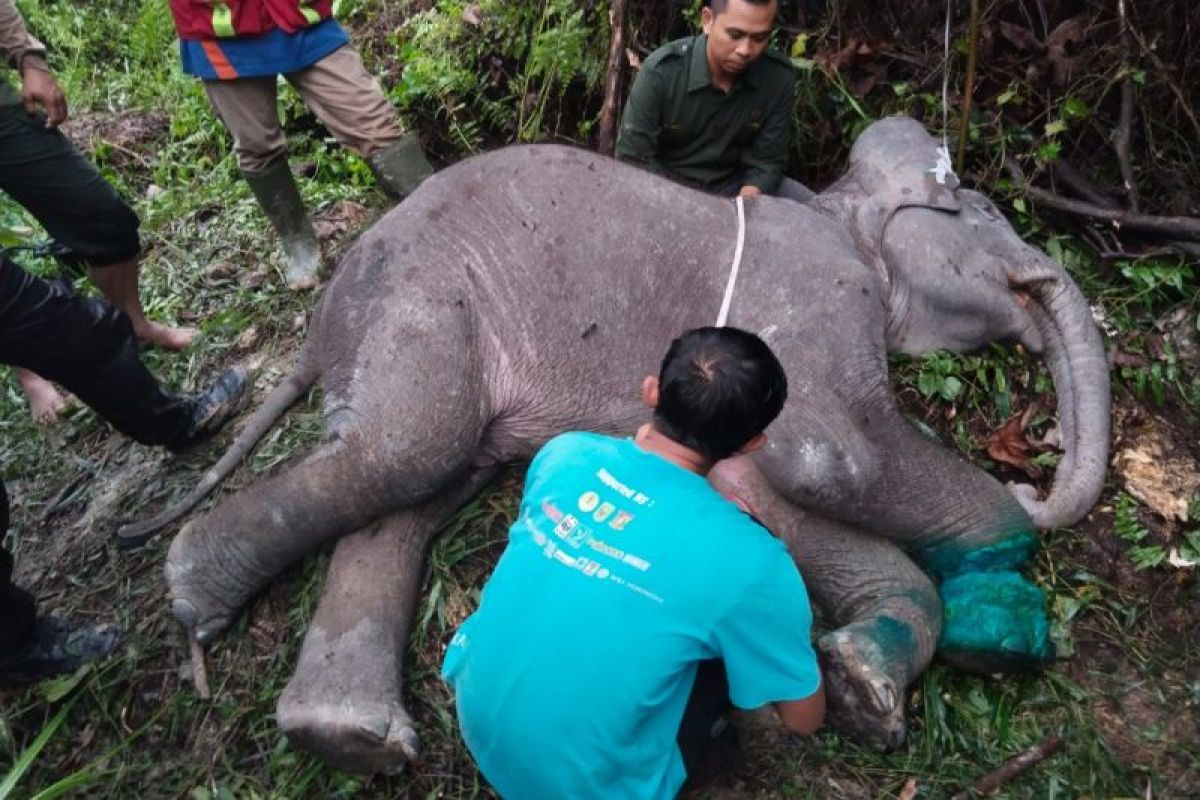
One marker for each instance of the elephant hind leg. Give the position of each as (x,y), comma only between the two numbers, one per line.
(404,430)
(344,701)
(885,611)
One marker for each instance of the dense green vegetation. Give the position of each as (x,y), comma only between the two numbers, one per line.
(474,75)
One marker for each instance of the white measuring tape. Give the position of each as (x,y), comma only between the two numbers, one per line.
(723,315)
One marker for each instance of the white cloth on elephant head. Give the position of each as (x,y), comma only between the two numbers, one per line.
(723,314)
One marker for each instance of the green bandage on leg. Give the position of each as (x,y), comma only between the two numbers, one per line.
(994,622)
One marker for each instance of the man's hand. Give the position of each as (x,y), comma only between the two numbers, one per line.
(750,191)
(39,89)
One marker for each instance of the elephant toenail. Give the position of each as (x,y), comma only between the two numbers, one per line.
(184,611)
(885,696)
(410,743)
(375,727)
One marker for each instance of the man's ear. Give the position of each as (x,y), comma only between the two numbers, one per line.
(650,391)
(706,19)
(752,445)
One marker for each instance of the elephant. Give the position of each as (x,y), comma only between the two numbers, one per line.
(525,292)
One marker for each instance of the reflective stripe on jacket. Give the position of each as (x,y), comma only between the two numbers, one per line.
(228,19)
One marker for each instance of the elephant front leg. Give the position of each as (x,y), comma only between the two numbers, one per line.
(344,703)
(885,610)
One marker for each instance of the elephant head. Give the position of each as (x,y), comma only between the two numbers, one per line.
(958,277)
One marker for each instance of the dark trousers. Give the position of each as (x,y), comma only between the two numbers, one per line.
(706,739)
(42,170)
(89,347)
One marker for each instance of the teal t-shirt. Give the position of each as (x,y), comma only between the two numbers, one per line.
(622,573)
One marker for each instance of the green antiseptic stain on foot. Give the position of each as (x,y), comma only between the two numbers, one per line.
(994,622)
(958,556)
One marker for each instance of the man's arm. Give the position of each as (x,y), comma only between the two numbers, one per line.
(766,160)
(803,716)
(28,56)
(641,122)
(15,41)
(765,642)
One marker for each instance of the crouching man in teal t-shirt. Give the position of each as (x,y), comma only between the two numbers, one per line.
(625,575)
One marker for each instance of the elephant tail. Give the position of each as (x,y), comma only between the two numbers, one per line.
(129,537)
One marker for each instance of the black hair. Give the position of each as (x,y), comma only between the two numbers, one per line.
(718,388)
(720,5)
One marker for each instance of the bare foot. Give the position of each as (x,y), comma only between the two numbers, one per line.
(163,336)
(45,402)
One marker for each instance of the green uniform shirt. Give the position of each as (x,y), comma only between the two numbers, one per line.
(677,123)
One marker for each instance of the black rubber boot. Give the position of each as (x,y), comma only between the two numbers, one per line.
(400,167)
(276,192)
(213,407)
(57,647)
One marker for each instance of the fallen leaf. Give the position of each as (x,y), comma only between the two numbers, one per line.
(1007,444)
(1022,38)
(909,791)
(1069,32)
(344,216)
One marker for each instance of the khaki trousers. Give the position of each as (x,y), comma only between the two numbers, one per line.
(338,89)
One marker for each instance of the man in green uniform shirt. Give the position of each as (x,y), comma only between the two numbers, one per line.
(714,111)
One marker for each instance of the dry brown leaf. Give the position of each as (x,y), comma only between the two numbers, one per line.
(344,216)
(909,791)
(1008,443)
(1021,37)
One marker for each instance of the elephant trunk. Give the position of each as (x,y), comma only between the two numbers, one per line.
(1075,355)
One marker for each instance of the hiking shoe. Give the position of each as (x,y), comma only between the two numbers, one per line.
(212,408)
(58,647)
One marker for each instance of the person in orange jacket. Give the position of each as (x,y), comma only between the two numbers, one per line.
(238,48)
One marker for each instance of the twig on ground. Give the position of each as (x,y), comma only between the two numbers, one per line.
(1013,767)
(606,141)
(1123,135)
(199,668)
(1186,228)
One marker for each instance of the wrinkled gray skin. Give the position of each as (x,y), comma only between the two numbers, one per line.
(526,292)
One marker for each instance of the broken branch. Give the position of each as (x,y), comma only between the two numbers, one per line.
(1186,228)
(1013,767)
(199,668)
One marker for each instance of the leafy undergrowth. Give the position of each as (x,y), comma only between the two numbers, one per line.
(1125,696)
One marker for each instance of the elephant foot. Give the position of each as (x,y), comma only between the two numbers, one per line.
(350,734)
(343,703)
(994,622)
(864,703)
(204,591)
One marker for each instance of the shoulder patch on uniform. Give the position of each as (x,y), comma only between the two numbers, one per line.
(669,52)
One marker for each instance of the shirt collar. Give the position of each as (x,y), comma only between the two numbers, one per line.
(699,76)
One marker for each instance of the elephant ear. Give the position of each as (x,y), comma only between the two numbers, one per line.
(893,165)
